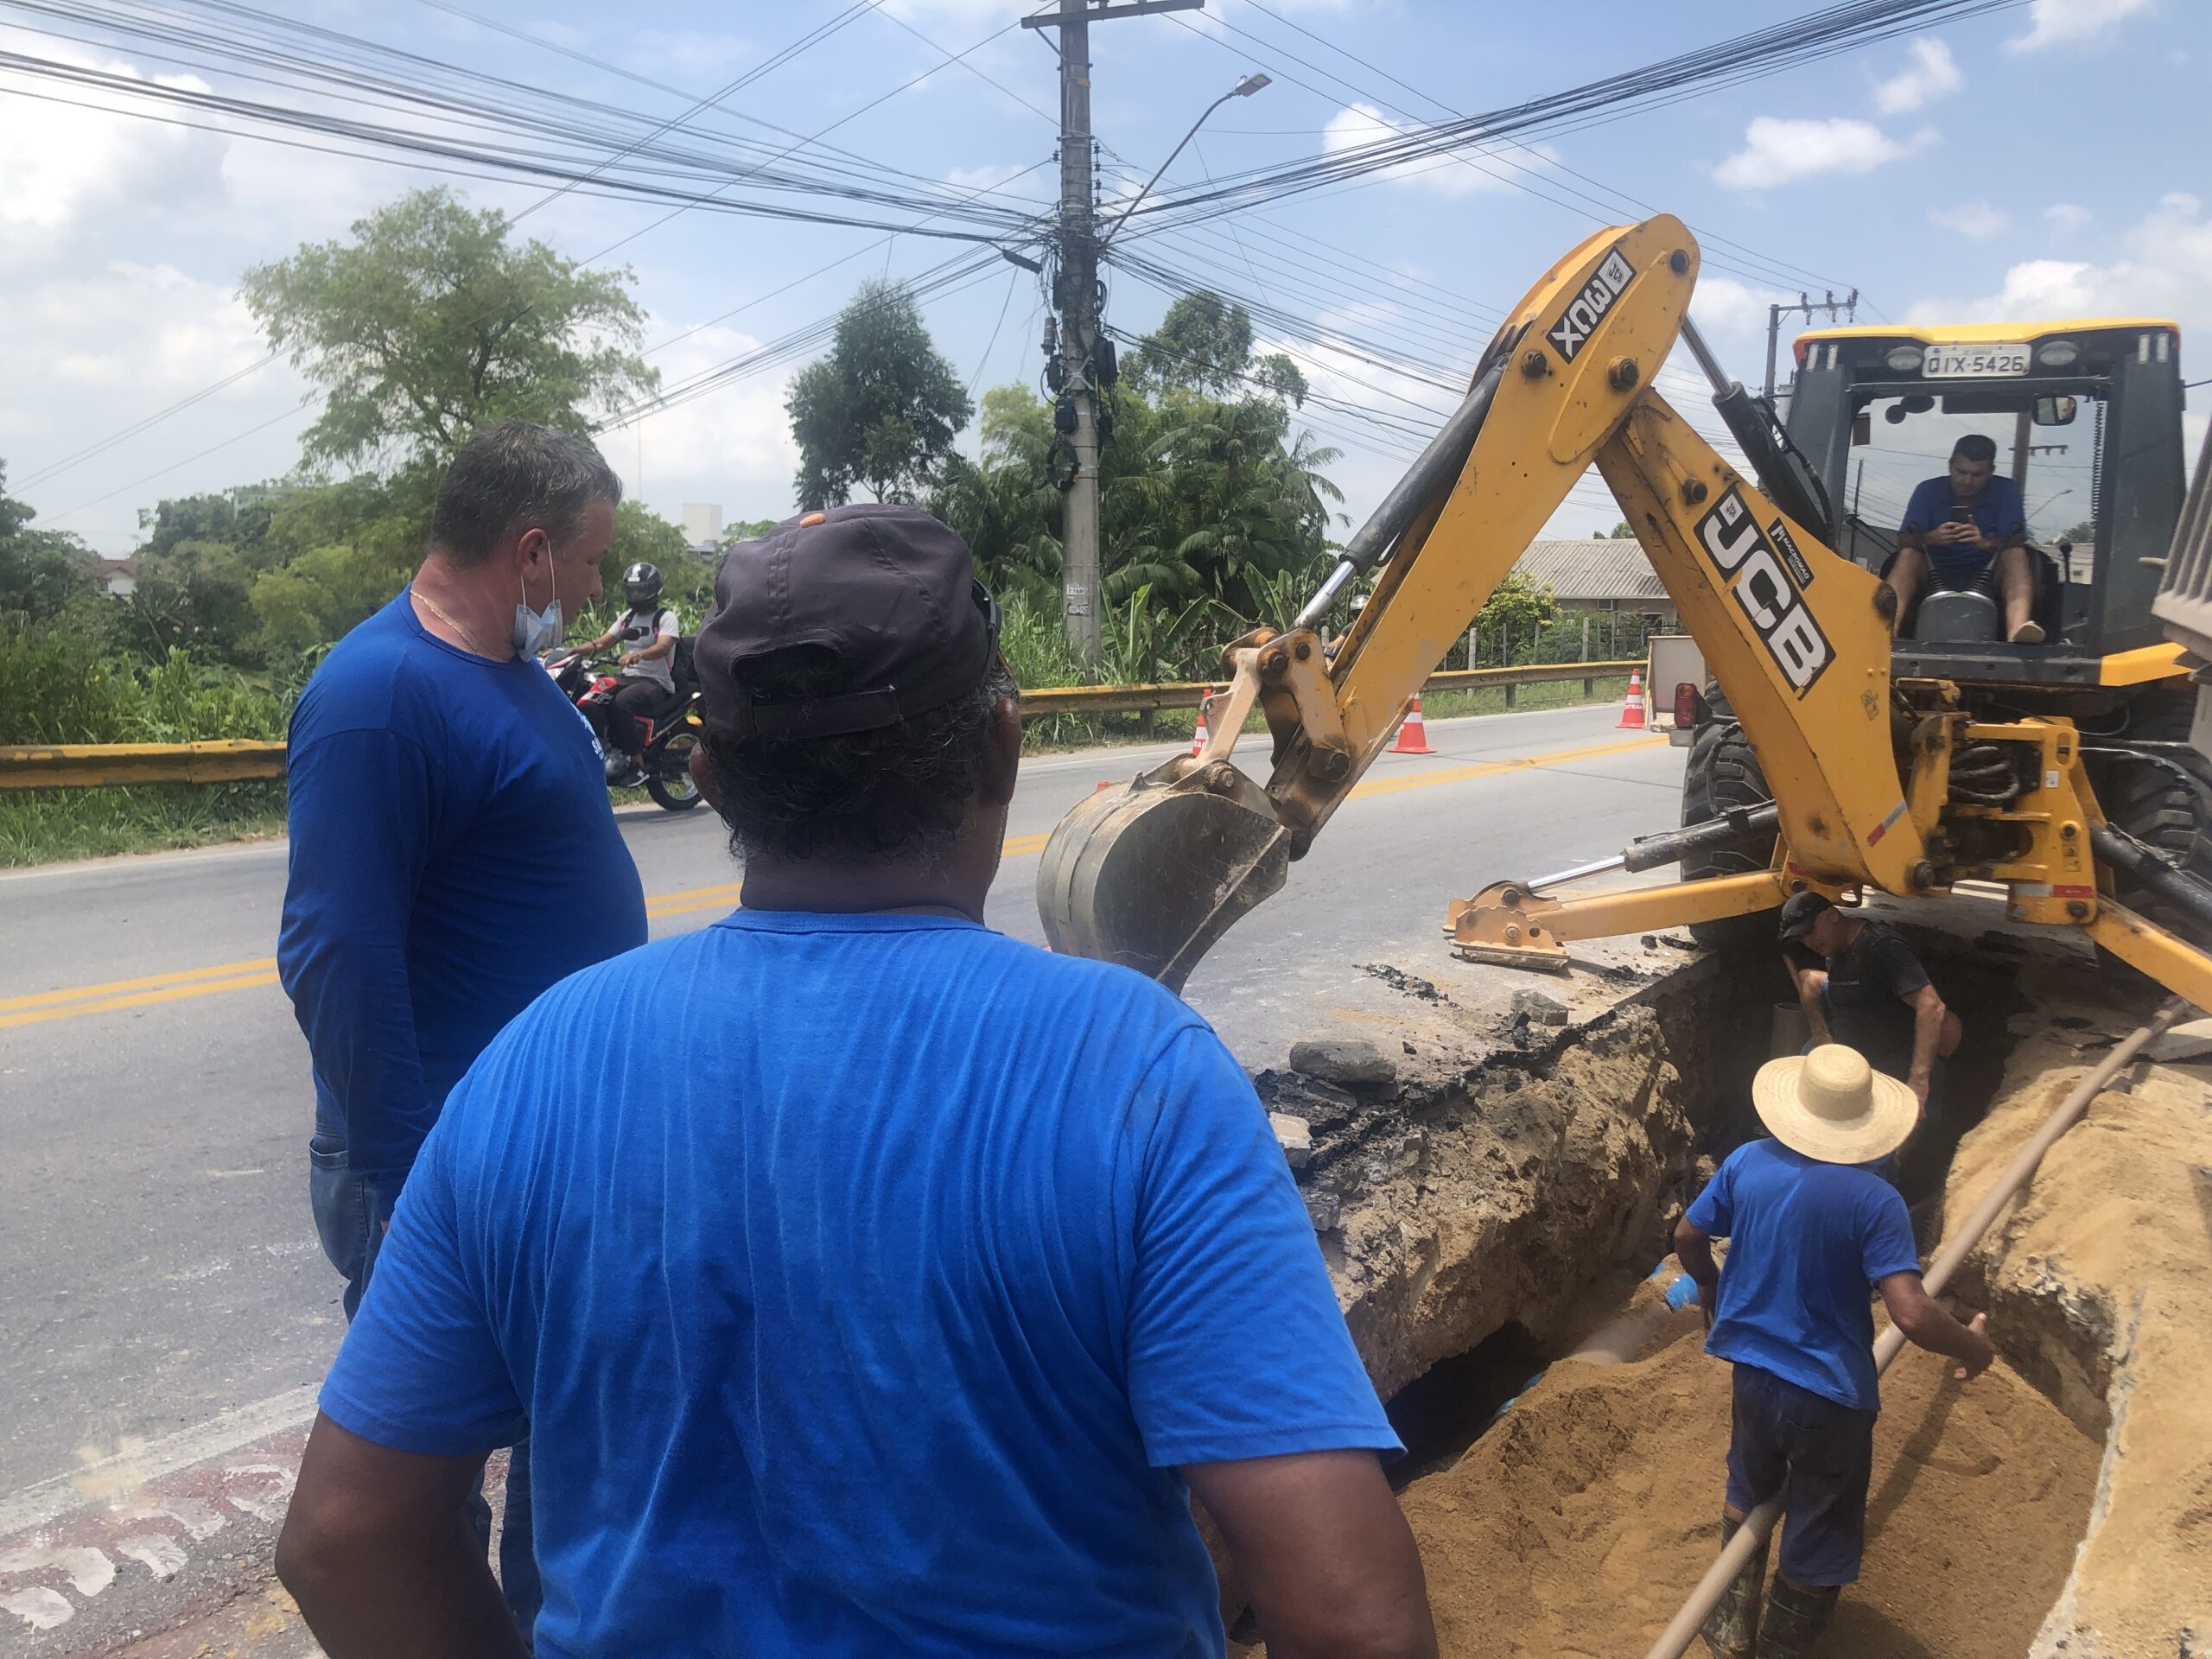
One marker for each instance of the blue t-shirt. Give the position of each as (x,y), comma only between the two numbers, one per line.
(1807,1242)
(1998,512)
(864,1279)
(453,853)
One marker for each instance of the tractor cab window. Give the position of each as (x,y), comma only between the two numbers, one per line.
(2047,443)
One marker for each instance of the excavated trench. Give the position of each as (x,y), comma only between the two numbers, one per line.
(1493,1186)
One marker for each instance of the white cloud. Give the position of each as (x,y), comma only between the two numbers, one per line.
(1455,174)
(2164,268)
(65,167)
(2071,22)
(688,56)
(92,351)
(2067,217)
(988,176)
(1728,310)
(1931,75)
(1976,221)
(733,446)
(1778,151)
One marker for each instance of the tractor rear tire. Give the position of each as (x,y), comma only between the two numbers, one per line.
(2154,804)
(1723,775)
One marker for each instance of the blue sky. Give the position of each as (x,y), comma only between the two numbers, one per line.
(2046,160)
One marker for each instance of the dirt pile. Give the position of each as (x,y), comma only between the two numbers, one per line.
(1573,1530)
(2099,1283)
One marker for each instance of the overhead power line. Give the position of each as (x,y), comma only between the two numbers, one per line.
(1760,53)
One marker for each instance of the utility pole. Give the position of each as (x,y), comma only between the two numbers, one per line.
(1073,372)
(1845,310)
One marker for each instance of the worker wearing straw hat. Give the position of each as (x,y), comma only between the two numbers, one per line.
(1810,1229)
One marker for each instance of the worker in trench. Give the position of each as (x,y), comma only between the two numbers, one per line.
(1861,984)
(1809,1229)
(874,1284)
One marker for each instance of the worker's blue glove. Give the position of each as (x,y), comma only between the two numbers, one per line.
(1683,1293)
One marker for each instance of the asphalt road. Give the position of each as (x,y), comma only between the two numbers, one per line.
(163,1288)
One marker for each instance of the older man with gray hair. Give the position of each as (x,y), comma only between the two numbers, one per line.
(450,824)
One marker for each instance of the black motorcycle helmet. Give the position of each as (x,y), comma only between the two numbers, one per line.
(641,585)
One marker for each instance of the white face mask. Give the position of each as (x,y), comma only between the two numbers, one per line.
(536,629)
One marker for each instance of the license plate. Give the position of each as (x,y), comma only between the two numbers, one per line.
(1973,362)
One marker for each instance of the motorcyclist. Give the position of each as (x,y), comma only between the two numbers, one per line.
(647,632)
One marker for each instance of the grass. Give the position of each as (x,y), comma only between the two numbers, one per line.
(50,826)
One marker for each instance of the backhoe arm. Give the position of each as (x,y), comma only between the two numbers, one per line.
(1152,874)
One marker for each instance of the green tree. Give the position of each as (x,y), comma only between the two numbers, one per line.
(1205,344)
(2082,534)
(345,549)
(882,410)
(1516,610)
(43,573)
(1619,532)
(1214,518)
(431,322)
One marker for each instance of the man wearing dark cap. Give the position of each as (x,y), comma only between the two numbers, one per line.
(1861,984)
(877,1284)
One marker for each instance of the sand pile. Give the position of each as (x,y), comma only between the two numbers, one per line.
(1574,1529)
(2099,1280)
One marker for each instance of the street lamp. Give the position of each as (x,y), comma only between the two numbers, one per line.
(1245,86)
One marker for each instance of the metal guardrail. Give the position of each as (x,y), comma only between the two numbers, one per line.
(1188,694)
(91,765)
(87,765)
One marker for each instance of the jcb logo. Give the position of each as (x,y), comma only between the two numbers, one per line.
(1764,586)
(1587,309)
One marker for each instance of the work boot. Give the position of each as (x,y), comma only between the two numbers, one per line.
(1796,1615)
(1731,1630)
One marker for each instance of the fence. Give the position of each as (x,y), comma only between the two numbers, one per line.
(87,765)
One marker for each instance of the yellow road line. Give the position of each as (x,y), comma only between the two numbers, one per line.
(153,989)
(1492,768)
(111,1004)
(43,999)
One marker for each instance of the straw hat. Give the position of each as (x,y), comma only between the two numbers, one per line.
(1831,1105)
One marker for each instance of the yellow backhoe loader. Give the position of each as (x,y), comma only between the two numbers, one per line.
(1965,760)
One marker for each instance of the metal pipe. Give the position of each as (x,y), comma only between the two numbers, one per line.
(1715,376)
(1675,1639)
(1439,465)
(1669,847)
(1617,861)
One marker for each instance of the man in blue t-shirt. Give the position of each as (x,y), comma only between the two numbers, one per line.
(450,824)
(874,1284)
(1967,531)
(1808,1231)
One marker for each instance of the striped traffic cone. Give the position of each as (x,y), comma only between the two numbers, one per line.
(1413,736)
(1631,718)
(1199,737)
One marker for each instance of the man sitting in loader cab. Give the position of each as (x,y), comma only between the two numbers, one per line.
(1967,531)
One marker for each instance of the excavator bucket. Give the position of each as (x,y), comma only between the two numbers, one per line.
(1151,874)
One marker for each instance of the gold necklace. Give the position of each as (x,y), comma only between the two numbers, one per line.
(468,634)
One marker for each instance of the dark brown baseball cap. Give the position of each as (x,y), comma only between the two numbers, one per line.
(887,594)
(1799,914)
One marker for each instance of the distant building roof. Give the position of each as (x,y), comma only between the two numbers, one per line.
(123,567)
(1592,569)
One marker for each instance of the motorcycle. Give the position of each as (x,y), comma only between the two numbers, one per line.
(670,734)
